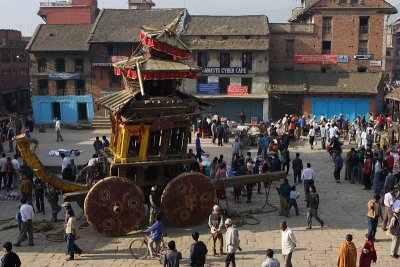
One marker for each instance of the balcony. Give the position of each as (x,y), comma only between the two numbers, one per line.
(55,4)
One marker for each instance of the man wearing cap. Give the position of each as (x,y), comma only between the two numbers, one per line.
(216,223)
(288,241)
(232,242)
(10,258)
(154,205)
(198,252)
(27,215)
(394,229)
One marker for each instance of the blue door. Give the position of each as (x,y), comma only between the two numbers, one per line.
(349,108)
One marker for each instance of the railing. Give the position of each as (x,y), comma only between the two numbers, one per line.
(55,4)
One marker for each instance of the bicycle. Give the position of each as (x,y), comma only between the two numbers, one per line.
(140,250)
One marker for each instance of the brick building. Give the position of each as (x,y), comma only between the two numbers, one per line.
(140,4)
(235,61)
(330,58)
(14,76)
(392,67)
(69,12)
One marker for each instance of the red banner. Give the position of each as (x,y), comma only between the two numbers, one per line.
(238,90)
(316,59)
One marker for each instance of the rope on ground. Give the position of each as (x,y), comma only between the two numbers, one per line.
(40,227)
(241,218)
(58,236)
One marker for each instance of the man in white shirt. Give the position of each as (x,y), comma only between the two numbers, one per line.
(323,133)
(288,241)
(17,168)
(388,202)
(65,161)
(270,261)
(308,176)
(27,215)
(232,242)
(3,170)
(57,127)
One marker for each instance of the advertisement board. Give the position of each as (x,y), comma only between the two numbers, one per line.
(208,88)
(316,59)
(364,57)
(343,59)
(375,63)
(218,70)
(238,90)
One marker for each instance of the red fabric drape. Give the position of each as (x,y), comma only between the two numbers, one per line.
(163,47)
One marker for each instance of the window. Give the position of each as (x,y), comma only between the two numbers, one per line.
(43,87)
(354,1)
(80,87)
(60,65)
(202,59)
(112,50)
(247,60)
(341,2)
(61,86)
(225,60)
(42,67)
(79,64)
(5,56)
(289,48)
(362,69)
(326,26)
(363,48)
(326,47)
(325,68)
(388,53)
(223,85)
(247,82)
(115,81)
(364,25)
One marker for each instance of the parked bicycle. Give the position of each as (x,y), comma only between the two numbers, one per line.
(139,248)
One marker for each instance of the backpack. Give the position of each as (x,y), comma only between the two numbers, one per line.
(394,227)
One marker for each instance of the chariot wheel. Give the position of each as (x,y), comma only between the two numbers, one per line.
(188,199)
(115,206)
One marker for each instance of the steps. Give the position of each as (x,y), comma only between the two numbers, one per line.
(100,122)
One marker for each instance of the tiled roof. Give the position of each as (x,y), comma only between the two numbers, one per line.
(394,95)
(117,101)
(324,83)
(60,37)
(196,43)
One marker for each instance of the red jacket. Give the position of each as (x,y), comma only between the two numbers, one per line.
(389,161)
(368,166)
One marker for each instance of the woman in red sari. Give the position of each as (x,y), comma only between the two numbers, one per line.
(368,252)
(221,175)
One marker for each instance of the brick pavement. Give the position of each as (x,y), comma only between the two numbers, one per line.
(343,207)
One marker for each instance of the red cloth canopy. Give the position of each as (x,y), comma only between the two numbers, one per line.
(163,47)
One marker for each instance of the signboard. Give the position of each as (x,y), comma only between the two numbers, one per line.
(65,75)
(364,57)
(238,90)
(343,59)
(375,63)
(316,59)
(213,79)
(231,70)
(208,88)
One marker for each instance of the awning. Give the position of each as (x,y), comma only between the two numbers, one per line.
(117,101)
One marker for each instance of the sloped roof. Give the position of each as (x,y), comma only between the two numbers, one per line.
(227,25)
(394,95)
(155,65)
(324,83)
(117,101)
(124,25)
(229,44)
(60,37)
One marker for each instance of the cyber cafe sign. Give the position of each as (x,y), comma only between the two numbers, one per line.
(231,70)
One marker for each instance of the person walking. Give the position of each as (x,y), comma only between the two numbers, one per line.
(232,243)
(199,150)
(216,223)
(26,187)
(10,173)
(312,207)
(154,205)
(17,169)
(347,253)
(39,195)
(338,167)
(10,138)
(97,145)
(270,261)
(297,166)
(284,194)
(388,201)
(220,134)
(368,252)
(106,143)
(70,231)
(374,212)
(236,146)
(394,229)
(10,258)
(311,136)
(265,145)
(3,171)
(172,258)
(366,172)
(288,242)
(308,177)
(294,195)
(57,127)
(198,252)
(323,133)
(27,216)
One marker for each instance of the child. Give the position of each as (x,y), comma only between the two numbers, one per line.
(293,201)
(173,257)
(368,253)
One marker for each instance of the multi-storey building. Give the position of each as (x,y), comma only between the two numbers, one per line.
(234,56)
(330,58)
(14,76)
(392,67)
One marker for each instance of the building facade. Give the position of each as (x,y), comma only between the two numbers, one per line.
(326,52)
(69,12)
(14,73)
(392,67)
(234,56)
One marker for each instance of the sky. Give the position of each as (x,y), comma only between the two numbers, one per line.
(22,14)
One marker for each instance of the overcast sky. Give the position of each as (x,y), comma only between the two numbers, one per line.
(22,14)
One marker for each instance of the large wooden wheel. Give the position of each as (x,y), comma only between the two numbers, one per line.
(188,199)
(115,206)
